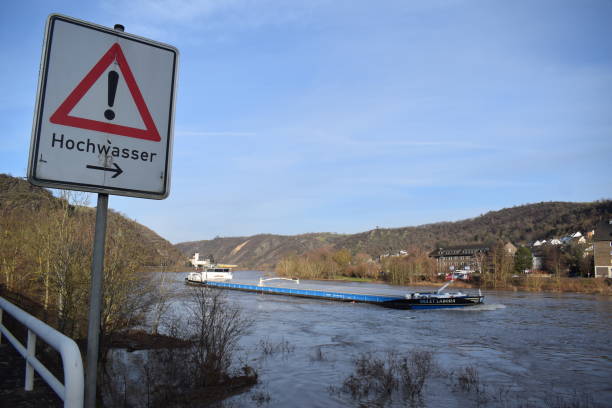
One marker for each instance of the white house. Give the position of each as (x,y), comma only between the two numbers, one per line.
(580,240)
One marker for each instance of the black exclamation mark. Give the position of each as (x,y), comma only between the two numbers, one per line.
(113,79)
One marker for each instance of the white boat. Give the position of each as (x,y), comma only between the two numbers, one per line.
(215,272)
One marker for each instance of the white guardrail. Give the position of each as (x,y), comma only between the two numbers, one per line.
(71,392)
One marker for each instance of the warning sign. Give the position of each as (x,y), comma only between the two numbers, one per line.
(104,114)
(113,55)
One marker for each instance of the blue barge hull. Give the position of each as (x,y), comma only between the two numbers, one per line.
(394,302)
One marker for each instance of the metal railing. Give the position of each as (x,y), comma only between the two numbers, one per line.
(262,280)
(71,392)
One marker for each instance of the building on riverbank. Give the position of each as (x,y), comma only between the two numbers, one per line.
(460,257)
(602,249)
(475,257)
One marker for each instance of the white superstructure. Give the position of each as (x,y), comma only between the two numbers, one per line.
(215,272)
(197,262)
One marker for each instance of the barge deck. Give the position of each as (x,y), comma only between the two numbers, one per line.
(394,302)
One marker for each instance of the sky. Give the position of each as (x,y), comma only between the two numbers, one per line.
(343,116)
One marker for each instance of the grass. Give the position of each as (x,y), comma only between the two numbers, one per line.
(269,348)
(377,381)
(393,379)
(468,379)
(595,286)
(260,398)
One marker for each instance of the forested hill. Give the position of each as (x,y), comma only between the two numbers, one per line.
(520,225)
(31,210)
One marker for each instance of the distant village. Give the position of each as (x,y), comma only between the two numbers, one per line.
(576,254)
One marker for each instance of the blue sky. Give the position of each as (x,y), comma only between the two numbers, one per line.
(340,116)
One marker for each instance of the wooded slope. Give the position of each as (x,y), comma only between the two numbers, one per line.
(28,204)
(519,225)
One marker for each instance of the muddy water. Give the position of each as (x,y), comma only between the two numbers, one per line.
(529,349)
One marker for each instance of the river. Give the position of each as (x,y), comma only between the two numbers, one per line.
(528,349)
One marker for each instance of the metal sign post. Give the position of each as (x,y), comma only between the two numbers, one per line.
(104,124)
(95,302)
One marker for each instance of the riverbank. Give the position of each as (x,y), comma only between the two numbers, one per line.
(593,286)
(184,366)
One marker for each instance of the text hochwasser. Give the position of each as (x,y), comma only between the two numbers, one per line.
(87,146)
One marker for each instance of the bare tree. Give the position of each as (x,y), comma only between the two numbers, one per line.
(126,289)
(216,326)
(161,296)
(69,263)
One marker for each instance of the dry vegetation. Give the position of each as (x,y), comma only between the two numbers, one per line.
(45,254)
(565,270)
(377,381)
(402,379)
(324,263)
(197,371)
(45,262)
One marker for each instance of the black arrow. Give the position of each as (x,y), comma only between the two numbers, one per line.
(117,170)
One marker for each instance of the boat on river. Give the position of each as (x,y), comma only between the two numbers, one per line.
(214,272)
(438,299)
(413,300)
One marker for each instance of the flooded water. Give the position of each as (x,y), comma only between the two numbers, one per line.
(529,349)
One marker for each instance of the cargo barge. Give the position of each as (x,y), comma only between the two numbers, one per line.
(414,300)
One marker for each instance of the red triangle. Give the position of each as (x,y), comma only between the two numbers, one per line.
(62,117)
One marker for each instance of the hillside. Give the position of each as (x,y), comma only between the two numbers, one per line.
(157,250)
(29,204)
(520,225)
(261,251)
